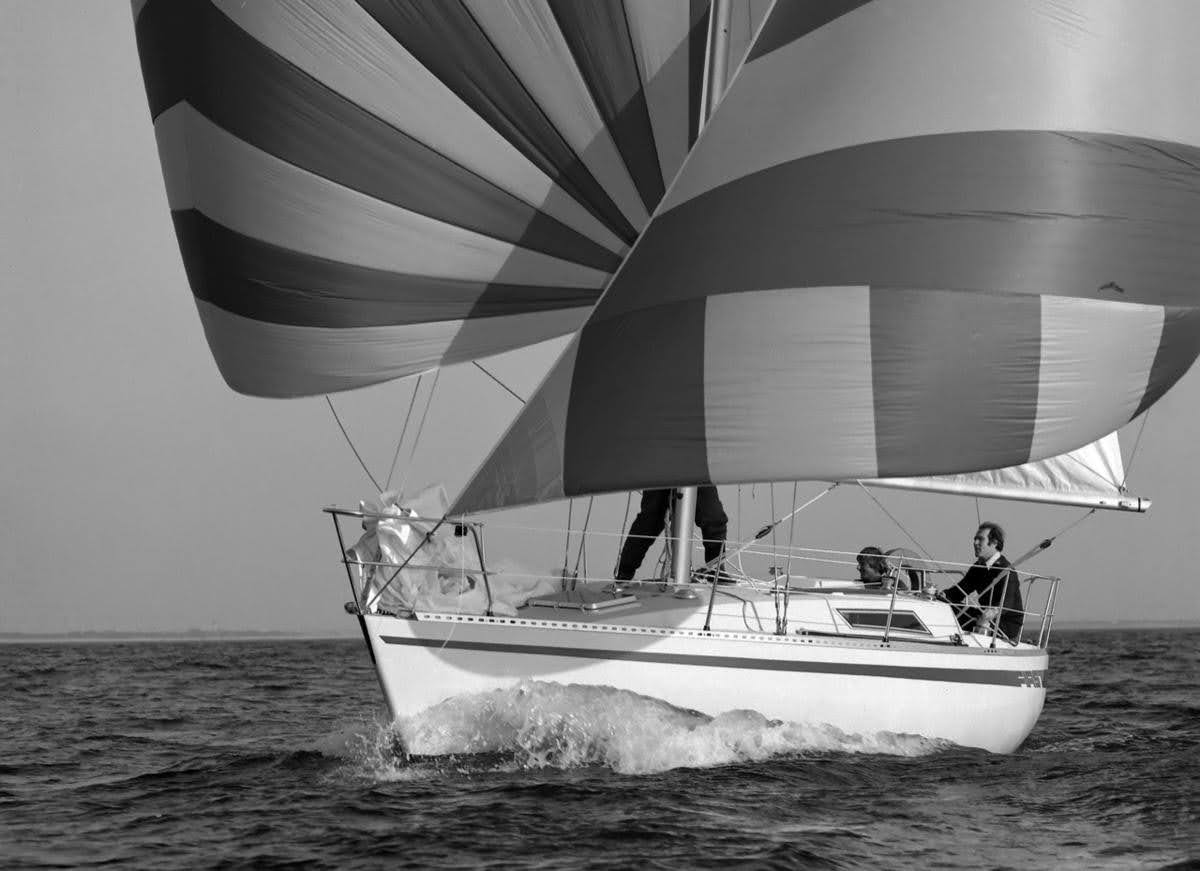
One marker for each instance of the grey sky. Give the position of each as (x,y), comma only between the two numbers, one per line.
(140,493)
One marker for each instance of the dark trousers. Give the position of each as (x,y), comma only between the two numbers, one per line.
(652,519)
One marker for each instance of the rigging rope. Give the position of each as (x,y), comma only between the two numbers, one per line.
(774,543)
(515,395)
(792,529)
(420,429)
(579,558)
(1136,443)
(624,525)
(739,513)
(781,622)
(404,431)
(378,489)
(1071,526)
(567,543)
(900,525)
(762,533)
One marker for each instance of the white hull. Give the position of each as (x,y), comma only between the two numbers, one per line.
(972,694)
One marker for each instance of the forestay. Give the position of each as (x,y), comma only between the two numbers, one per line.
(917,237)
(364,190)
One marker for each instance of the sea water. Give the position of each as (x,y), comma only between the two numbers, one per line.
(280,753)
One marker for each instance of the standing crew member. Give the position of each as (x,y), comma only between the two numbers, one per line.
(652,519)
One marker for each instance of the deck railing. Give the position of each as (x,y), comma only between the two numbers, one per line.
(1037,605)
(370,578)
(365,596)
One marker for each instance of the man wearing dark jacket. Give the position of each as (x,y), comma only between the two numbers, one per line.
(994,581)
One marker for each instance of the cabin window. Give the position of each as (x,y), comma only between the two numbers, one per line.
(904,621)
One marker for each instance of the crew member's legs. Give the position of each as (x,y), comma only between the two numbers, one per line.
(650,521)
(710,517)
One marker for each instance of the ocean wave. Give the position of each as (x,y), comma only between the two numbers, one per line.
(94,771)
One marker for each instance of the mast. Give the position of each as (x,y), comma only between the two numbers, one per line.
(716,63)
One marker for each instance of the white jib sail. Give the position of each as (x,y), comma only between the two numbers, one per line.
(1092,476)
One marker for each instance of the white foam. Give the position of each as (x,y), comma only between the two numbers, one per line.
(371,749)
(542,724)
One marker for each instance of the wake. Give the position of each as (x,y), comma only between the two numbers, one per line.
(537,724)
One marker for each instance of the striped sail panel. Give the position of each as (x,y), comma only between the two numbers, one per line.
(669,41)
(795,20)
(403,169)
(597,33)
(874,71)
(1089,215)
(964,242)
(448,41)
(265,358)
(258,280)
(326,72)
(261,196)
(955,379)
(640,416)
(797,341)
(1176,352)
(528,37)
(745,18)
(1090,476)
(529,459)
(834,384)
(1079,335)
(665,39)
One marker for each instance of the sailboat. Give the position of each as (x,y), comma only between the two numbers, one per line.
(933,244)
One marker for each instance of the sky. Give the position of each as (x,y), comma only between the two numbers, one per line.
(139,493)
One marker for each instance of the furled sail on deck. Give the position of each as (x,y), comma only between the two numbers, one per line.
(917,237)
(1089,477)
(363,190)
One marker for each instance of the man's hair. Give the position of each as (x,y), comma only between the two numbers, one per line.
(873,556)
(995,533)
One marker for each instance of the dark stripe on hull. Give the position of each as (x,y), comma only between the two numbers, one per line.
(791,20)
(636,416)
(191,52)
(597,33)
(448,42)
(1177,350)
(273,284)
(1024,678)
(1007,212)
(938,372)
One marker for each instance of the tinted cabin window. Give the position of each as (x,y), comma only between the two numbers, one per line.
(903,620)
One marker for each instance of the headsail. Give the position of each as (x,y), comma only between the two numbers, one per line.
(1089,477)
(917,237)
(363,190)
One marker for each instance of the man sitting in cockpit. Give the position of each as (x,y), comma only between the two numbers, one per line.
(872,568)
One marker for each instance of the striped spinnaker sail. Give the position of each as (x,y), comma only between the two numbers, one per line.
(917,237)
(363,190)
